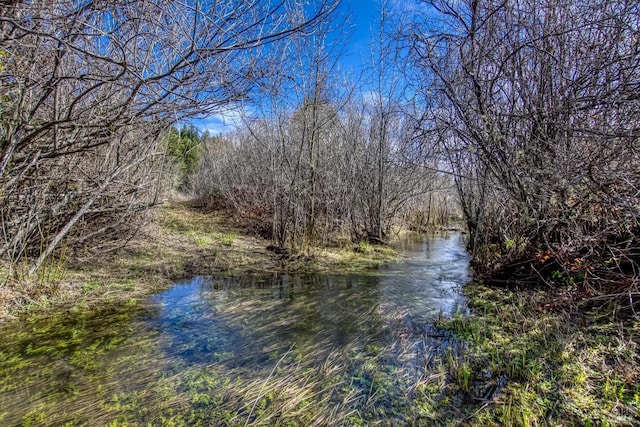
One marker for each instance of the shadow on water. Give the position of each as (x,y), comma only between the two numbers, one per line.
(236,351)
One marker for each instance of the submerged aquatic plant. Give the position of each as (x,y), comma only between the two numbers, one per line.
(248,350)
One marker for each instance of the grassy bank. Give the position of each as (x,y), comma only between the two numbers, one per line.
(179,243)
(536,358)
(519,358)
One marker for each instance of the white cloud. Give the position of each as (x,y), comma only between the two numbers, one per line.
(408,6)
(225,121)
(373,99)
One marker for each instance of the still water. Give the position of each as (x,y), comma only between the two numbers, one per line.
(254,350)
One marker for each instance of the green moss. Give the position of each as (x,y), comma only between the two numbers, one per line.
(560,367)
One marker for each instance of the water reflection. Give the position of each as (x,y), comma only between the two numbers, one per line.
(212,319)
(345,339)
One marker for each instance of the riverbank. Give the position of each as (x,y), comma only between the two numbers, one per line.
(518,358)
(180,242)
(541,358)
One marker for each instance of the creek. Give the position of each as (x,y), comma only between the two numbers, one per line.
(250,350)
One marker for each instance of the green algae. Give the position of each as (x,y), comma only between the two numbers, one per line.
(246,350)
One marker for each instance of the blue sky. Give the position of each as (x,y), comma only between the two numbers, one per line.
(362,17)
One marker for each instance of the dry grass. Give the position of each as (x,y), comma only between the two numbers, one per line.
(179,243)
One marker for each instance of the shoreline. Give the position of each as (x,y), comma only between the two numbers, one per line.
(529,357)
(529,362)
(180,242)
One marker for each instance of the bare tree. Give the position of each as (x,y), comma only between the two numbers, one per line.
(390,177)
(537,108)
(298,112)
(95,78)
(331,162)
